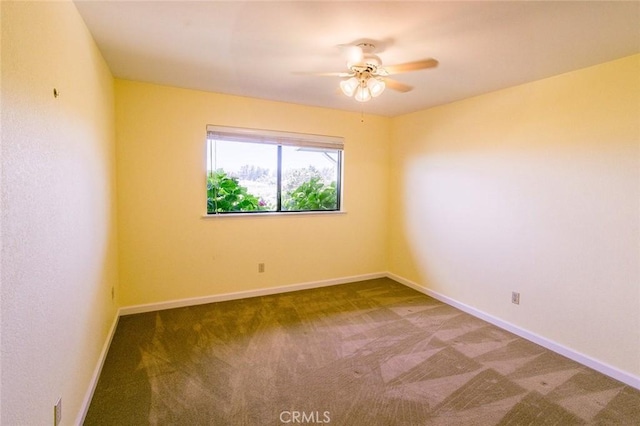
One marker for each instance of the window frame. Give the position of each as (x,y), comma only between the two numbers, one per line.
(279,139)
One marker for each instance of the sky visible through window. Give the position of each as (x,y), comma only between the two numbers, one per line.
(237,154)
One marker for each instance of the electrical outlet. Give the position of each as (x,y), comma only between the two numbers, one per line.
(260,267)
(515,297)
(57,412)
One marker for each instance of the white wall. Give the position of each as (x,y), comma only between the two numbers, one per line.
(532,189)
(59,258)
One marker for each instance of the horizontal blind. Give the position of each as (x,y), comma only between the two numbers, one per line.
(237,134)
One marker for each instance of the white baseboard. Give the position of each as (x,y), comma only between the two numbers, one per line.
(627,378)
(96,373)
(150,307)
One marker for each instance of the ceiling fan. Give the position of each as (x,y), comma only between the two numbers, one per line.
(366,78)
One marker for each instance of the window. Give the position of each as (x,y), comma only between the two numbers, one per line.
(258,171)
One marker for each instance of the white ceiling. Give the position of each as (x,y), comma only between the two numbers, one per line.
(255,48)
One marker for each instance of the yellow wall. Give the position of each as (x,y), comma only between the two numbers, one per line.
(168,251)
(58,210)
(532,189)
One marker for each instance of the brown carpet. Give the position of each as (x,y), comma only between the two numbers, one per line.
(367,353)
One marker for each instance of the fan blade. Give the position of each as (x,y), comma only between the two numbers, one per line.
(397,86)
(411,66)
(325,74)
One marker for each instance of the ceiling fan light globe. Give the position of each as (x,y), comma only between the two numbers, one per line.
(362,94)
(376,86)
(349,86)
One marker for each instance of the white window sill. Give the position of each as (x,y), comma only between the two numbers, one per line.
(272,214)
